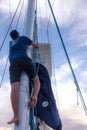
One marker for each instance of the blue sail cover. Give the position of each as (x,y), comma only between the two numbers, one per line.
(46,108)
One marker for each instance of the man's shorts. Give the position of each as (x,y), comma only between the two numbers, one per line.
(18,66)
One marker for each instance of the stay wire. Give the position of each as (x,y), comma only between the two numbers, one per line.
(10,12)
(73,74)
(75,21)
(36,40)
(53,70)
(10,25)
(49,18)
(7,58)
(47,37)
(3,73)
(20,14)
(40,22)
(33,119)
(1,2)
(24,21)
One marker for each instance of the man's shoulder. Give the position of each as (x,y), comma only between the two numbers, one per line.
(23,37)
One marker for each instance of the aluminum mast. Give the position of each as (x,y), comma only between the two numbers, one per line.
(24,84)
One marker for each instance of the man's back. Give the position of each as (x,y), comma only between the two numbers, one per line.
(18,47)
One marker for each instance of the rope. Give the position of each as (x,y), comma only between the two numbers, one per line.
(33,119)
(20,14)
(24,21)
(40,23)
(7,58)
(10,11)
(1,2)
(3,73)
(55,83)
(9,26)
(75,21)
(74,77)
(49,20)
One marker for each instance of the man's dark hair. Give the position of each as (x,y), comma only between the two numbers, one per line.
(14,34)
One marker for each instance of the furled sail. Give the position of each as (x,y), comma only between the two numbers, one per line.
(46,108)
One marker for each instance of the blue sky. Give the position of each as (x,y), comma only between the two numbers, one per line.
(72,20)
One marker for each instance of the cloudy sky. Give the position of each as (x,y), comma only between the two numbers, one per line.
(71,17)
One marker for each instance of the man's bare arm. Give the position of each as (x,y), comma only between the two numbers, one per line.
(35,45)
(36,91)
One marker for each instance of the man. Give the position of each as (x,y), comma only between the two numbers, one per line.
(19,61)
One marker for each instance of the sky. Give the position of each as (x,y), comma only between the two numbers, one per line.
(71,17)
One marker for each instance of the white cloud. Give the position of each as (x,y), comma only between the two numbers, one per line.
(3,61)
(5,106)
(84,73)
(71,16)
(72,116)
(74,119)
(69,10)
(75,63)
(64,69)
(8,9)
(5,128)
(65,89)
(6,5)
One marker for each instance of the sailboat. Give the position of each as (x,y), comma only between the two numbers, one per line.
(46,106)
(29,25)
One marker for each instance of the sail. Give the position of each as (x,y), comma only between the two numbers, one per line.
(46,108)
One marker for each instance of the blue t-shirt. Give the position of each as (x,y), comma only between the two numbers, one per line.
(18,48)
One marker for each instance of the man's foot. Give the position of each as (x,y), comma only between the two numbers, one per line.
(14,120)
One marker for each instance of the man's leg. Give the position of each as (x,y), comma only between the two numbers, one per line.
(15,102)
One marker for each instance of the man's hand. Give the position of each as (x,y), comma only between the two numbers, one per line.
(33,102)
(35,45)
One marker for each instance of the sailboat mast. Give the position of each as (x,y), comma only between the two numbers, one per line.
(29,26)
(24,81)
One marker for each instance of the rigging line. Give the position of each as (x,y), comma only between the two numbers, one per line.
(77,98)
(10,12)
(24,21)
(36,22)
(33,119)
(1,2)
(74,77)
(48,36)
(3,73)
(20,14)
(76,22)
(54,75)
(10,26)
(40,21)
(54,80)
(45,36)
(49,16)
(55,84)
(36,36)
(6,61)
(50,13)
